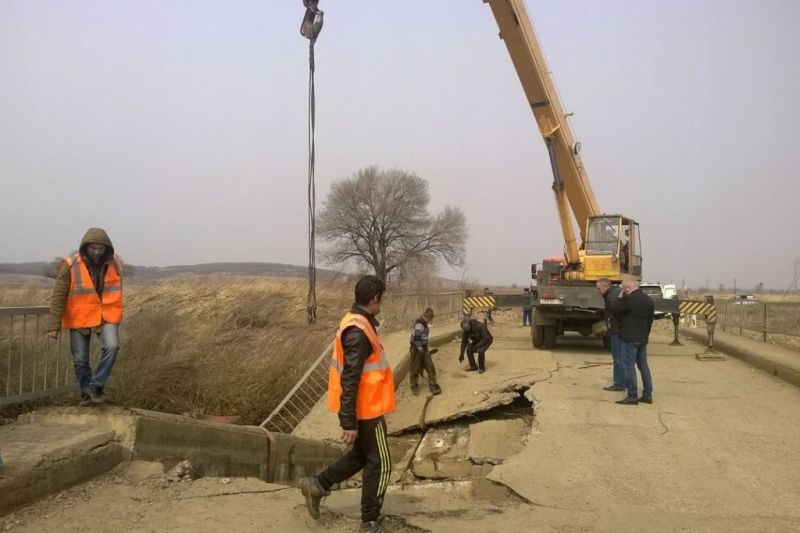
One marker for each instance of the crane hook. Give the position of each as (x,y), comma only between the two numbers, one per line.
(312,20)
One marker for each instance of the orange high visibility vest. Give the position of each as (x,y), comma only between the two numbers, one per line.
(85,308)
(375,396)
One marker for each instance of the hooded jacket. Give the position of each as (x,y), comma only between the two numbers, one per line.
(58,300)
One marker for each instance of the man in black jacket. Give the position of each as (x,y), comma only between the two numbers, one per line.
(421,355)
(370,450)
(610,293)
(636,314)
(475,337)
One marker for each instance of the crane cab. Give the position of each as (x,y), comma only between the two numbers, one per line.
(612,248)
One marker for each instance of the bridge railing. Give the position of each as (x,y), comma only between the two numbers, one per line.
(31,367)
(766,318)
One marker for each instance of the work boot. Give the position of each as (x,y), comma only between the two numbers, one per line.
(86,400)
(471,369)
(314,493)
(96,395)
(481,370)
(646,399)
(435,389)
(629,401)
(372,527)
(415,390)
(614,388)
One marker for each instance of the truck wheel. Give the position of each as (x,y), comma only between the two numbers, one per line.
(538,336)
(549,336)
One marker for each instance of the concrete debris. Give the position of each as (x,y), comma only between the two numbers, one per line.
(182,471)
(442,454)
(493,441)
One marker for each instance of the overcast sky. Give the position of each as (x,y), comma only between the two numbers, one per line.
(180,126)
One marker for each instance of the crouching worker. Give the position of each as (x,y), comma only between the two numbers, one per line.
(421,356)
(475,337)
(87,298)
(361,390)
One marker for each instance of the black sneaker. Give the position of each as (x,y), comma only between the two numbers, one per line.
(314,493)
(96,395)
(86,401)
(372,527)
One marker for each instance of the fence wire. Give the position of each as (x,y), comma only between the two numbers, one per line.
(778,318)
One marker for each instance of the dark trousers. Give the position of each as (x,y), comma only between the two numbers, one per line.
(526,317)
(420,361)
(635,354)
(370,452)
(481,349)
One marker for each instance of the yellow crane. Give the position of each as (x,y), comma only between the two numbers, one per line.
(609,245)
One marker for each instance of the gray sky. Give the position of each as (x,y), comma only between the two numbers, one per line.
(180,126)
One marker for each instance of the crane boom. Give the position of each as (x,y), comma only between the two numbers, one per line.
(571,185)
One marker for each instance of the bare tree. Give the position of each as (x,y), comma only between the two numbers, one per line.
(380,218)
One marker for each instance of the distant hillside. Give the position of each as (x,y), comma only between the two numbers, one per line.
(237,269)
(43,269)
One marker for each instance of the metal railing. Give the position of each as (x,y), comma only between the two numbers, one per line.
(31,367)
(305,394)
(397,313)
(778,318)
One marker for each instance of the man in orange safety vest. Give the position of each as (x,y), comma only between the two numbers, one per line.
(87,298)
(361,391)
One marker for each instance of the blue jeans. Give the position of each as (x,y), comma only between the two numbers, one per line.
(109,346)
(526,317)
(636,355)
(619,360)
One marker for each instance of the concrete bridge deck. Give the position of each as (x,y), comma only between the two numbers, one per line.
(717,451)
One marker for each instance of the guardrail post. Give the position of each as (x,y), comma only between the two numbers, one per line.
(710,354)
(676,320)
(741,316)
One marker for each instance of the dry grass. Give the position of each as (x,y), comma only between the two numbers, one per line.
(214,345)
(224,345)
(232,346)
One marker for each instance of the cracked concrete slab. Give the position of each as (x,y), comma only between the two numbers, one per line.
(43,459)
(509,369)
(493,441)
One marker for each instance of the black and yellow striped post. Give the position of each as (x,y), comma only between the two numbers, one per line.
(477,302)
(708,310)
(705,308)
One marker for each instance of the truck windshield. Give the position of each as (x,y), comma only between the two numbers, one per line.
(603,235)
